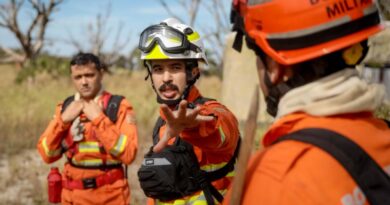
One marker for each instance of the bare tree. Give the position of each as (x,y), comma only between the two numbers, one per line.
(31,40)
(213,34)
(191,7)
(98,33)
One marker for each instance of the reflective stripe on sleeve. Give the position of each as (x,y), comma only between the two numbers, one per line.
(222,135)
(119,145)
(48,152)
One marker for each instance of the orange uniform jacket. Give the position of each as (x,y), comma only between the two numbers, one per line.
(214,144)
(293,172)
(119,140)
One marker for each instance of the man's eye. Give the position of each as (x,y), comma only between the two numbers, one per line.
(155,70)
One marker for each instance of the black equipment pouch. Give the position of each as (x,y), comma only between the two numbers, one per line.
(175,173)
(168,175)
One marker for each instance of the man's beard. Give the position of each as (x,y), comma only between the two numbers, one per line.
(168,102)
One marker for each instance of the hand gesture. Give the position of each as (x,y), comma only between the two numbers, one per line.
(92,109)
(177,121)
(72,111)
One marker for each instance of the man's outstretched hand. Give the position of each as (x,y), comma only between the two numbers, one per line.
(177,121)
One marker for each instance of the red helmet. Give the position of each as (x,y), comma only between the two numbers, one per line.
(293,31)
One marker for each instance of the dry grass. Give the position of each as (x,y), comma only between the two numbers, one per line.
(26,110)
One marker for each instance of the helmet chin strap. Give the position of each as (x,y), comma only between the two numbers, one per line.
(276,92)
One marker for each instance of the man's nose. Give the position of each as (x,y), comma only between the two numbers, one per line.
(167,77)
(84,80)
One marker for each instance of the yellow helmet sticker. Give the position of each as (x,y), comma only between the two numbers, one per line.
(156,53)
(193,36)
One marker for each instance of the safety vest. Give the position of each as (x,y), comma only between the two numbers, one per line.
(111,105)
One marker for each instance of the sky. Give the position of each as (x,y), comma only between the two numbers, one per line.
(73,16)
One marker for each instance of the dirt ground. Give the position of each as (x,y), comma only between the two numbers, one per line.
(23,179)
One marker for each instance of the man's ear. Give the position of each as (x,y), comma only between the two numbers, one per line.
(194,72)
(277,72)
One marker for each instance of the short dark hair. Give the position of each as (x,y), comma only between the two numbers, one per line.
(86,58)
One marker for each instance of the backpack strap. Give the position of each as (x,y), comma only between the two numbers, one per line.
(208,188)
(112,107)
(202,100)
(156,130)
(219,173)
(67,102)
(368,175)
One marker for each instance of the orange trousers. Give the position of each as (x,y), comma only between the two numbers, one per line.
(117,193)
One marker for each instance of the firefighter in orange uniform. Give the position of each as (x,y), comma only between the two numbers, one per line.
(171,52)
(96,131)
(306,56)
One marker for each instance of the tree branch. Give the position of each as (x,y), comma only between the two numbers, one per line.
(169,11)
(193,10)
(12,55)
(9,20)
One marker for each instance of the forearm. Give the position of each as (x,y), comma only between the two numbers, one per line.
(49,144)
(222,132)
(119,140)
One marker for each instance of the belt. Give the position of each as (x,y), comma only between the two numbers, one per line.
(94,182)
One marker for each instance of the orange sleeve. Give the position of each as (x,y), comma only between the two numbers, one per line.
(49,144)
(221,133)
(119,139)
(150,201)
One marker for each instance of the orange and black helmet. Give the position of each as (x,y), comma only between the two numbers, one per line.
(294,31)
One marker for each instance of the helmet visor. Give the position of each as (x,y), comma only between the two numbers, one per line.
(169,39)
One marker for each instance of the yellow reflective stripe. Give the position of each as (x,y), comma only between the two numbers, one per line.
(196,199)
(48,152)
(212,167)
(156,53)
(94,162)
(176,202)
(202,202)
(85,147)
(119,146)
(112,162)
(222,134)
(231,174)
(193,36)
(88,162)
(200,199)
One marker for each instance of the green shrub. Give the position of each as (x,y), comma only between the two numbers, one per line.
(54,66)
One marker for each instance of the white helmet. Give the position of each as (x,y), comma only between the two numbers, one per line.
(171,40)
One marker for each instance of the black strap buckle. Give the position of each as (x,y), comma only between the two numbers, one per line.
(89,183)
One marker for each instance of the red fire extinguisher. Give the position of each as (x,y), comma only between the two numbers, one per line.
(54,180)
